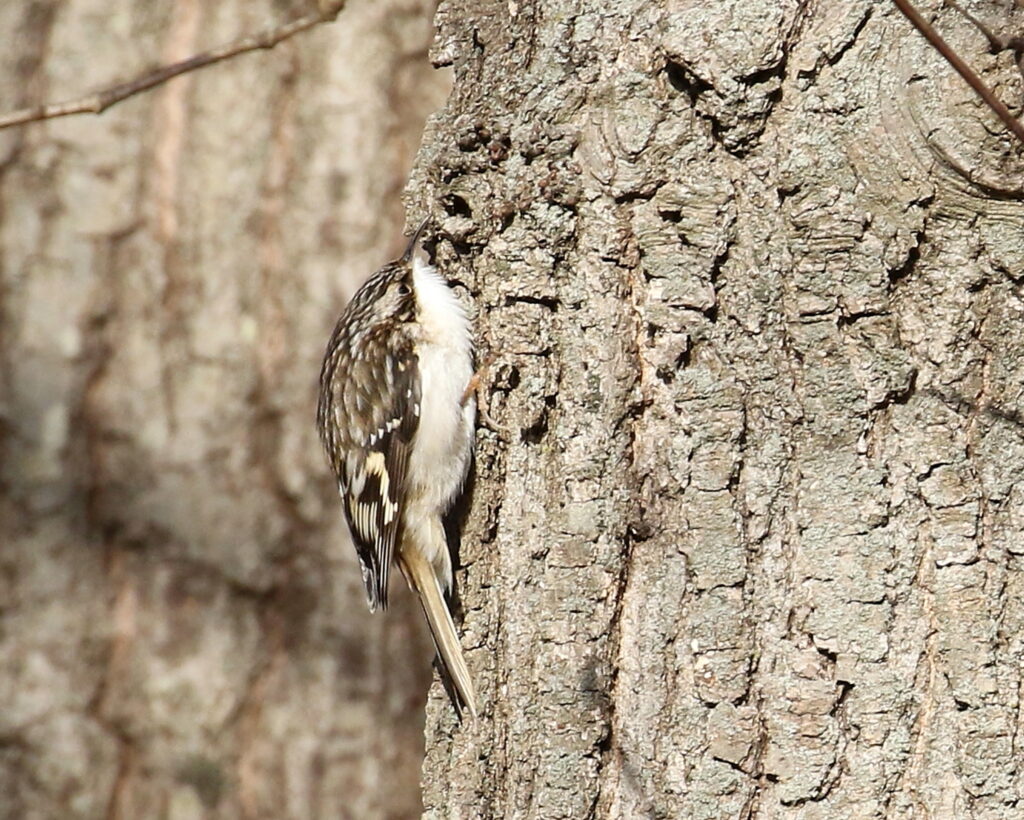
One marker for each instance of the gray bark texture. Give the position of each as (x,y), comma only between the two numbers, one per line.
(183,632)
(751,543)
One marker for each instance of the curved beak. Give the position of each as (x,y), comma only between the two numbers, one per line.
(414,241)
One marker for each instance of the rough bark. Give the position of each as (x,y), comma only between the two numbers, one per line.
(751,548)
(182,625)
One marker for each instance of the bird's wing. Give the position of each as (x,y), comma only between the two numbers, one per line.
(373,471)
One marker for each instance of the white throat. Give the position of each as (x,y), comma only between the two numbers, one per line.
(442,319)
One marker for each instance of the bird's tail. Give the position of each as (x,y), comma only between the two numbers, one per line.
(450,663)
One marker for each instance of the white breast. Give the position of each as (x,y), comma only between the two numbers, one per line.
(442,447)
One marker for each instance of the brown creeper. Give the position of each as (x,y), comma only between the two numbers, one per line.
(396,421)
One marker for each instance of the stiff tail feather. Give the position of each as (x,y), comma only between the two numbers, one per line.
(450,663)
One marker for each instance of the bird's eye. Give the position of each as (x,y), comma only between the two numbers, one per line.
(403,289)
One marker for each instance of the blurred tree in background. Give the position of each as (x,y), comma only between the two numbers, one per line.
(182,624)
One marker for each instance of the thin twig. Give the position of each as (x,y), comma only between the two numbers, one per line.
(996,43)
(964,70)
(102,100)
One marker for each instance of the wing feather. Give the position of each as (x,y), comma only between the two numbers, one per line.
(374,481)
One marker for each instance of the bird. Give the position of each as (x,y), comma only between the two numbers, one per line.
(396,417)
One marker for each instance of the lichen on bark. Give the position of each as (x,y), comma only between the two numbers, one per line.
(749,548)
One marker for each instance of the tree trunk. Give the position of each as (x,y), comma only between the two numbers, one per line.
(183,631)
(749,546)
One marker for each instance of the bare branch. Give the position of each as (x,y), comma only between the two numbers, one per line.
(102,100)
(964,70)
